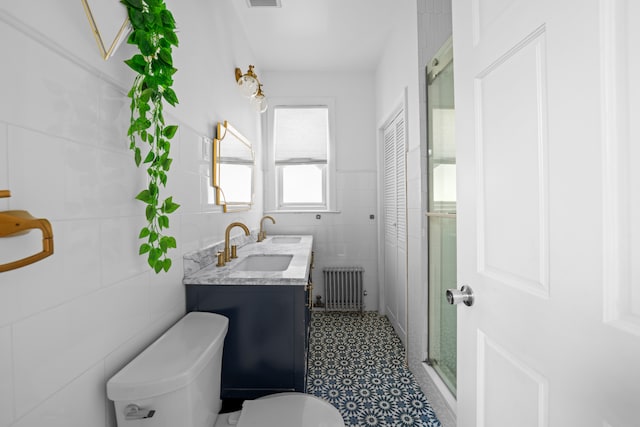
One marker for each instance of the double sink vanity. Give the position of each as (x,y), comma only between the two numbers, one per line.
(266,294)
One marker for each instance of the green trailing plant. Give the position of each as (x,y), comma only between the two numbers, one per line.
(154,33)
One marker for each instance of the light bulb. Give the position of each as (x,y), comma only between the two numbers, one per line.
(259,102)
(248,86)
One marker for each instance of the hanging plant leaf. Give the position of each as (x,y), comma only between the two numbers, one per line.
(170,96)
(133,4)
(171,37)
(154,35)
(167,19)
(170,131)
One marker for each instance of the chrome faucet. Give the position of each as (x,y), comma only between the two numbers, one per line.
(263,234)
(227,255)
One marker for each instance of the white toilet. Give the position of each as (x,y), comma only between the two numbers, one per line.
(176,382)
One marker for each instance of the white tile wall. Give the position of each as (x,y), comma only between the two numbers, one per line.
(4,166)
(80,403)
(69,322)
(12,301)
(6,373)
(119,248)
(34,160)
(76,263)
(192,168)
(113,116)
(191,150)
(119,181)
(54,347)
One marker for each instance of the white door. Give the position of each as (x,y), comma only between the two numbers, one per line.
(548,136)
(395,224)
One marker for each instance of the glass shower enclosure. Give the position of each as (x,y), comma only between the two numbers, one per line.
(441,215)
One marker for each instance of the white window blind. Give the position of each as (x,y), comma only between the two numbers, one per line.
(301,134)
(300,173)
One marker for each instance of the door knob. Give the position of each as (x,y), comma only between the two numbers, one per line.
(464,294)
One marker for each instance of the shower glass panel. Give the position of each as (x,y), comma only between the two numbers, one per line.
(442,215)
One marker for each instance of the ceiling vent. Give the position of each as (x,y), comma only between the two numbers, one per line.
(264,3)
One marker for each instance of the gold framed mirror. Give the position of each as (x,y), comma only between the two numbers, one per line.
(233,169)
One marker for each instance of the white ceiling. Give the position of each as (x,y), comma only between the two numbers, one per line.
(318,35)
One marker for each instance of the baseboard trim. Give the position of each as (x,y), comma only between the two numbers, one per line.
(440,398)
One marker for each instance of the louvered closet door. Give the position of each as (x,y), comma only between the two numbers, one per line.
(395,224)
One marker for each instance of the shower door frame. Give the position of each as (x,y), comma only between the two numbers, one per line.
(440,60)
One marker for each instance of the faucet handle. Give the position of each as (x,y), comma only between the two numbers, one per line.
(220,259)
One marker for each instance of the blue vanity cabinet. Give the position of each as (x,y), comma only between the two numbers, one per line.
(265,350)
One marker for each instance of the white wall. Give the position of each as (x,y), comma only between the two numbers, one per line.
(347,237)
(425,26)
(397,77)
(70,321)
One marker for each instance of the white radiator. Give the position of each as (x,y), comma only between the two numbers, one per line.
(343,288)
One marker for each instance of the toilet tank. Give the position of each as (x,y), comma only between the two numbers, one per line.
(176,380)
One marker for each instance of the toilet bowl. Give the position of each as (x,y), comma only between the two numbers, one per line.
(283,409)
(176,382)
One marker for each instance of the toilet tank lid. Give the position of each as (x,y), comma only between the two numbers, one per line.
(173,361)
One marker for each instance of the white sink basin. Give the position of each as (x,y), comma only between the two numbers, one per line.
(286,239)
(264,263)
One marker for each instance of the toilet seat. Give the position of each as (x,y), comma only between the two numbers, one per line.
(288,410)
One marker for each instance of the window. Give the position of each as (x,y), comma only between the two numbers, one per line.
(300,158)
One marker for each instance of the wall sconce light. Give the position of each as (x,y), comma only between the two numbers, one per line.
(250,87)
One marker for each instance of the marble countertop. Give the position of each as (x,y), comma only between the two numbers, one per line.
(296,274)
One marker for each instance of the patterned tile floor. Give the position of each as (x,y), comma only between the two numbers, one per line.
(357,363)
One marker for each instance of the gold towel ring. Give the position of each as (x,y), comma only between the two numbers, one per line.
(15,223)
